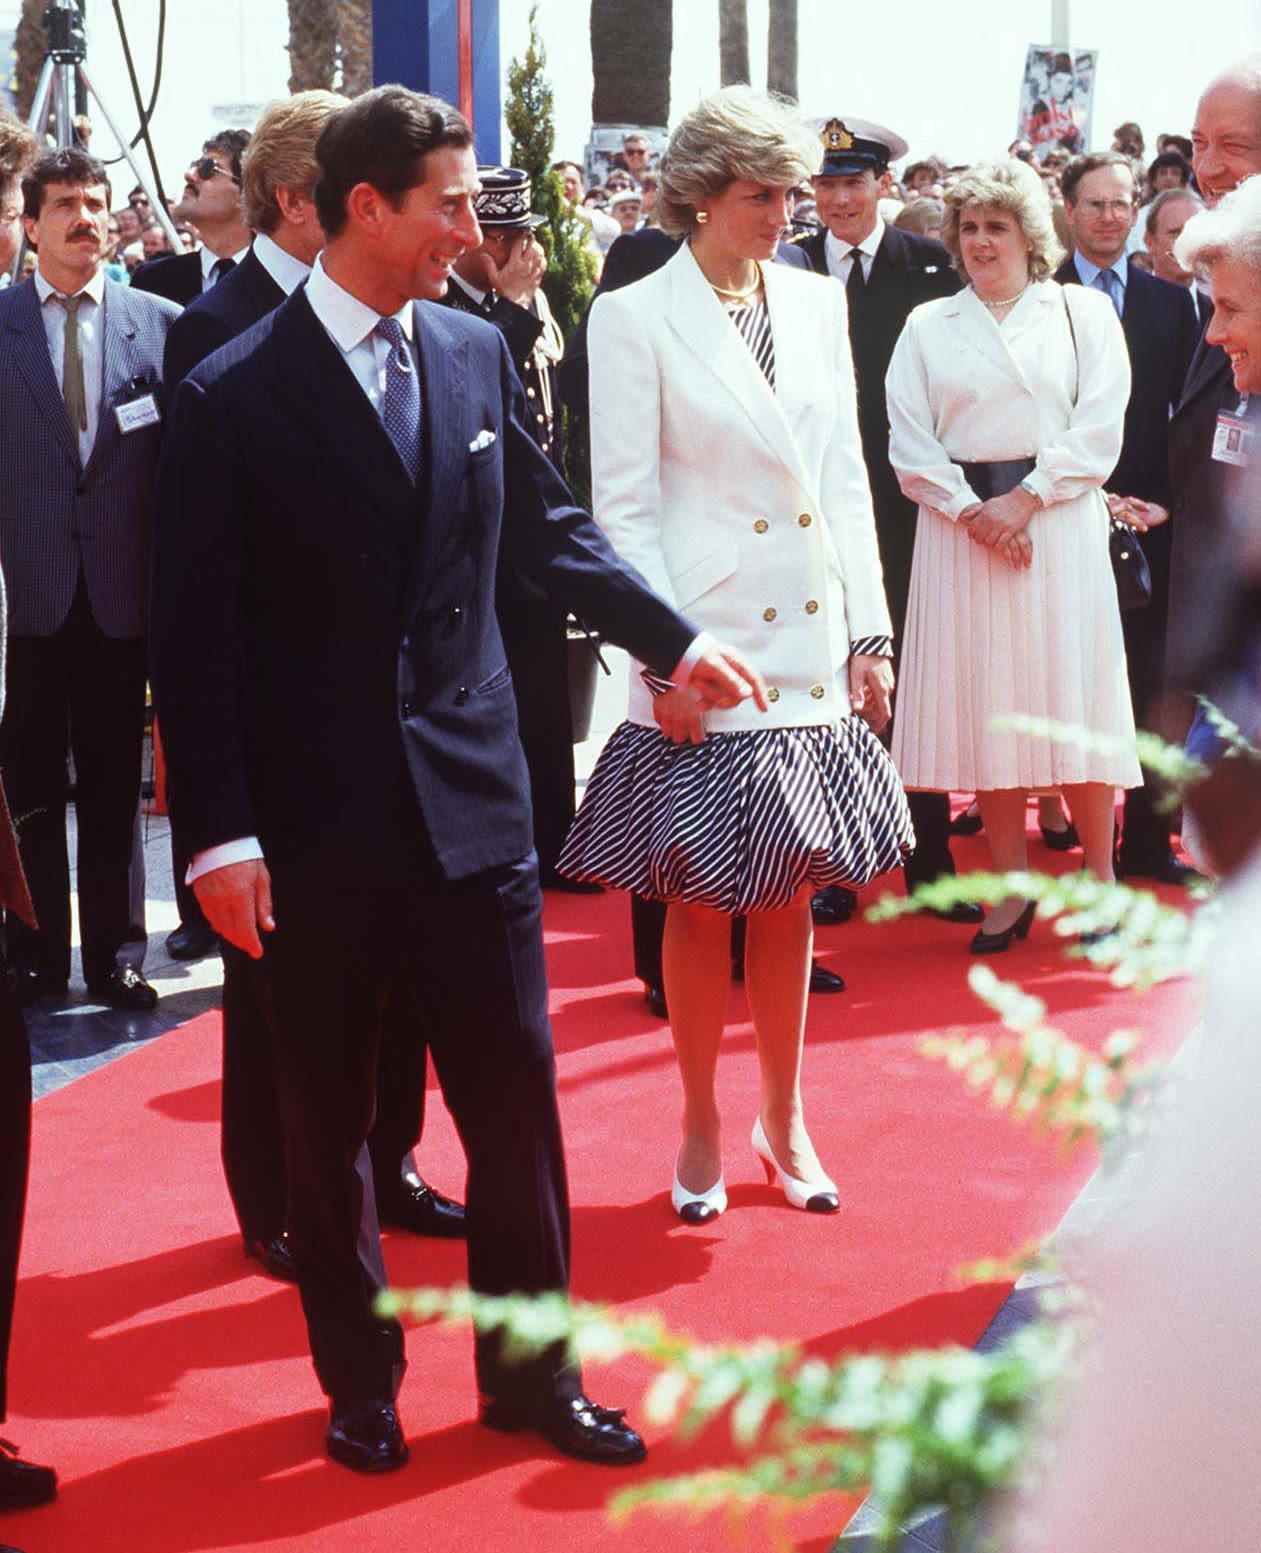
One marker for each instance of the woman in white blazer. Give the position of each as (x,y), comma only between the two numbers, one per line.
(1006,407)
(727,467)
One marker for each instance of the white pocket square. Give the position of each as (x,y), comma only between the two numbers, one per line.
(484,439)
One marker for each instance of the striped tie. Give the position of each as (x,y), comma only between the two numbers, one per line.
(400,410)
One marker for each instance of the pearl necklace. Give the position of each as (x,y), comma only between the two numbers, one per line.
(1006,302)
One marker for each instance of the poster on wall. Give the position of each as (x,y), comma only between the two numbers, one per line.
(1056,99)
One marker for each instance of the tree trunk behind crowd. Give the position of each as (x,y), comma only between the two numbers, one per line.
(312,44)
(781,48)
(630,61)
(354,23)
(28,50)
(733,42)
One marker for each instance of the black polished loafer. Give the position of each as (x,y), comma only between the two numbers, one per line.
(655,997)
(578,1427)
(965,912)
(415,1206)
(822,980)
(275,1256)
(832,905)
(126,989)
(192,941)
(23,1484)
(1164,870)
(366,1437)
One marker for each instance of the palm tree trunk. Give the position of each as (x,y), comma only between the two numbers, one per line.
(733,42)
(630,61)
(781,48)
(29,44)
(312,44)
(354,26)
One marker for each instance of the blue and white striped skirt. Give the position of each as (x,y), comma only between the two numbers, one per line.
(741,821)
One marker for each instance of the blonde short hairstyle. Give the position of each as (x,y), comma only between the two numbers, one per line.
(735,133)
(1011,186)
(281,153)
(1232,230)
(18,146)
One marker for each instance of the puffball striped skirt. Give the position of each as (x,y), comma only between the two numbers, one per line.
(742,821)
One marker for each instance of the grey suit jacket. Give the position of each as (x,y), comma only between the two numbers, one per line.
(57,518)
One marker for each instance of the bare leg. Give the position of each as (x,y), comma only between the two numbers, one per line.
(1093,807)
(1003,810)
(696,966)
(777,976)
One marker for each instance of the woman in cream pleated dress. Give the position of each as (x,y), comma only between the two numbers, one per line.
(1013,606)
(727,467)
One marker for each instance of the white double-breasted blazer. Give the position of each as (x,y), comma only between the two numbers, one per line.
(747,508)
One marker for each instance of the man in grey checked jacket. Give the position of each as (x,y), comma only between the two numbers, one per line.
(80,379)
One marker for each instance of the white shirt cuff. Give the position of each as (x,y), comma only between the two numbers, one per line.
(246,850)
(701,644)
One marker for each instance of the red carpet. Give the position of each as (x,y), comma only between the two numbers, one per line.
(170,1385)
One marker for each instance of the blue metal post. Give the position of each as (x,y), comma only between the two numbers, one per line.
(416,43)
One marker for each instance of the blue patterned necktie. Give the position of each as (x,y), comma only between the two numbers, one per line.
(400,409)
(1109,283)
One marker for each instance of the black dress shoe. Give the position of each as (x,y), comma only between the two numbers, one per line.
(366,1436)
(823,980)
(966,912)
(125,989)
(578,1427)
(1164,870)
(275,1256)
(965,823)
(192,941)
(832,905)
(33,985)
(22,1483)
(1060,840)
(415,1206)
(656,999)
(995,943)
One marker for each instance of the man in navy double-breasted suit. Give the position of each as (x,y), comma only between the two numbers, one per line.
(341,484)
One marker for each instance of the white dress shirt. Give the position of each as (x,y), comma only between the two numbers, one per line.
(837,252)
(284,269)
(91,320)
(208,261)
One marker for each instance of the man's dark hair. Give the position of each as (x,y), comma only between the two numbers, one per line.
(230,143)
(1170,159)
(382,138)
(67,166)
(1081,165)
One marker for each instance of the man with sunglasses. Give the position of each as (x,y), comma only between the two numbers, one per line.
(211,202)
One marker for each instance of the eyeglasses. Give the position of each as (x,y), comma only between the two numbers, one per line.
(1108,207)
(206,167)
(138,199)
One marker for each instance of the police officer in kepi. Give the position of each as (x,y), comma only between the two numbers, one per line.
(502,282)
(886,272)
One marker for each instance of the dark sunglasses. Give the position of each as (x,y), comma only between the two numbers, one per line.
(206,167)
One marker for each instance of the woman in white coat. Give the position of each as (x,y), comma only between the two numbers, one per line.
(1006,407)
(727,467)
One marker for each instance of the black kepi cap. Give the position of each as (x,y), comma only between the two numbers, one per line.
(856,146)
(505,198)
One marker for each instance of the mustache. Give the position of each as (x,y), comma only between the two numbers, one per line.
(83,231)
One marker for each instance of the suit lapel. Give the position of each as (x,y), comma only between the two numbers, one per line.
(338,412)
(29,345)
(443,376)
(702,324)
(1209,370)
(121,364)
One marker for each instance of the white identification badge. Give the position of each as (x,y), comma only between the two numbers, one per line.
(1232,441)
(138,413)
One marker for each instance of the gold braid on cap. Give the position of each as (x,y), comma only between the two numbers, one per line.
(835,136)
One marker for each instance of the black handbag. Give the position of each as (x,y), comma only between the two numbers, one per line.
(1129,567)
(1129,563)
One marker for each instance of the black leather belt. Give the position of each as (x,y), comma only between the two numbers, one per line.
(997,478)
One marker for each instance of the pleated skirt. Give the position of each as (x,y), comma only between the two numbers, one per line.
(984,641)
(742,821)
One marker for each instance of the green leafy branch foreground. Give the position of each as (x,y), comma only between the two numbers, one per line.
(930,1429)
(926,1429)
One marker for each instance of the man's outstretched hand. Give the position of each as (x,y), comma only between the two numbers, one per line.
(721,677)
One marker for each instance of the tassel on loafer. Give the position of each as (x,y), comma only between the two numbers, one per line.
(814,1196)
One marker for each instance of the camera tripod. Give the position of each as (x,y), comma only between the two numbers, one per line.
(52,113)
